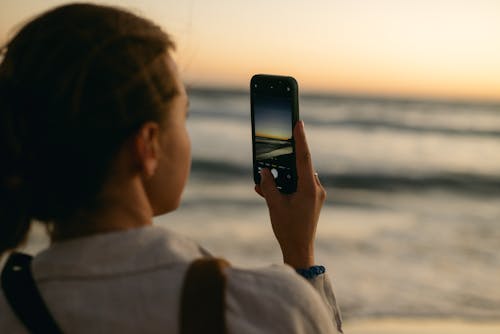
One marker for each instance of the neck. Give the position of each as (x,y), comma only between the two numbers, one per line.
(121,208)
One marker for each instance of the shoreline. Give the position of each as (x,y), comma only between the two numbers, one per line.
(420,326)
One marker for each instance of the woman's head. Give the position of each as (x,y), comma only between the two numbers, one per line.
(76,83)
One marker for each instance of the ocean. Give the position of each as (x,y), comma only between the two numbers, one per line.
(411,225)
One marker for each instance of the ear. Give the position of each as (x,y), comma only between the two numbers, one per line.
(147,148)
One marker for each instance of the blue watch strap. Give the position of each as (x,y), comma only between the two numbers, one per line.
(311,272)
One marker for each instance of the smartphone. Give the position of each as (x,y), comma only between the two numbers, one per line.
(274,110)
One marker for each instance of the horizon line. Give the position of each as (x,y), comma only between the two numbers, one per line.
(324,93)
(268,136)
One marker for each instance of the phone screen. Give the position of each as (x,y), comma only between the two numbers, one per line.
(274,114)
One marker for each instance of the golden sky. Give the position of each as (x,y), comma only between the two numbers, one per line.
(434,48)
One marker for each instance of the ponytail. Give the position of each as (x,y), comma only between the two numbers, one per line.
(14,218)
(14,195)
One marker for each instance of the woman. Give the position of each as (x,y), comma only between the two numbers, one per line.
(94,144)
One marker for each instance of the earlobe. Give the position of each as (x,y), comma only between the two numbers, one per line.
(150,167)
(147,148)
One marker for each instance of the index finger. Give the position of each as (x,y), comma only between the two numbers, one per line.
(305,171)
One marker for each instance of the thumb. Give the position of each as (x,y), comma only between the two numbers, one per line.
(267,185)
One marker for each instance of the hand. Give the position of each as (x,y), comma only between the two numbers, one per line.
(294,217)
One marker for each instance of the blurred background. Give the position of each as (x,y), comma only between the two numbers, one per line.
(401,102)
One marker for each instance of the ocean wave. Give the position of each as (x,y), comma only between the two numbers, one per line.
(361,124)
(374,124)
(450,181)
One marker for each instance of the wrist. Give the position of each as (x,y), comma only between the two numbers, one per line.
(299,260)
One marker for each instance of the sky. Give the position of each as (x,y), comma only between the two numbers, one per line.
(416,48)
(273,118)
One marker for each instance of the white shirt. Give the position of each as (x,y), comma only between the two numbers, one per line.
(131,282)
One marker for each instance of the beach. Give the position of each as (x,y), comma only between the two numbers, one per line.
(410,226)
(420,326)
(409,231)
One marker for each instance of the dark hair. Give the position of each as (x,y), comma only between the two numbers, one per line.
(75,83)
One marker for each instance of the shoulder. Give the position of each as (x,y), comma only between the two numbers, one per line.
(145,249)
(274,299)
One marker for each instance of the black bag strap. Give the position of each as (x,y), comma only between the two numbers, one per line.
(23,296)
(203,301)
